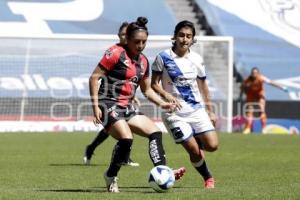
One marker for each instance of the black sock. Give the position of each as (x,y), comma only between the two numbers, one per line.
(156,149)
(202,168)
(120,155)
(101,136)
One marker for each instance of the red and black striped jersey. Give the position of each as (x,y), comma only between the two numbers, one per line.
(123,75)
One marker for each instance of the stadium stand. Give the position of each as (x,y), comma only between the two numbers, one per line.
(271,44)
(104,16)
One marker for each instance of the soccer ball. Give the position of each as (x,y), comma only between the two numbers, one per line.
(161,178)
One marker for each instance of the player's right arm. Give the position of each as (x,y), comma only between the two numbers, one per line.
(93,86)
(107,63)
(242,90)
(157,70)
(136,101)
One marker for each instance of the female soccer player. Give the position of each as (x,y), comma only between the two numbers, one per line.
(182,74)
(253,87)
(102,135)
(123,69)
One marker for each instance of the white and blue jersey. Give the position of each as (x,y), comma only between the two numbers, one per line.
(179,77)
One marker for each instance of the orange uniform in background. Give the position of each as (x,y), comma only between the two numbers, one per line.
(254,88)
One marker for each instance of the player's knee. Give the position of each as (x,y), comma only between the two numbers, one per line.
(212,146)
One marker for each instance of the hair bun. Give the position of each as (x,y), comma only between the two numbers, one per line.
(142,21)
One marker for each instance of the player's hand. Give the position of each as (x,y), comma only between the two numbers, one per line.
(286,89)
(171,99)
(97,116)
(213,118)
(168,106)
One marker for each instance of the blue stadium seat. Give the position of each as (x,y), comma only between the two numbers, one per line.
(161,19)
(275,57)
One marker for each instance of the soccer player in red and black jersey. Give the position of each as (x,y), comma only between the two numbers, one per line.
(102,135)
(123,69)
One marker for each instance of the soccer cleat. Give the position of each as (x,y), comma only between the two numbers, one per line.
(247,131)
(86,161)
(111,183)
(87,155)
(132,163)
(178,173)
(209,183)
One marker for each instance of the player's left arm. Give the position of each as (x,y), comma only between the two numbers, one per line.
(273,83)
(203,88)
(150,94)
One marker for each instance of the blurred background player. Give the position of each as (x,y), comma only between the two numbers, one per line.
(102,135)
(253,87)
(183,78)
(112,104)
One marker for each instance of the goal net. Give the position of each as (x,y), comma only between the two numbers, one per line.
(44,81)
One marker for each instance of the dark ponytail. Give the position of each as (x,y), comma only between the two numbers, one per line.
(139,25)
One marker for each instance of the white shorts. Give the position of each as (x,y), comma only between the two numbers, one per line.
(188,125)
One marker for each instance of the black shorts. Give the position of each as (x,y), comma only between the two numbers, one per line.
(112,112)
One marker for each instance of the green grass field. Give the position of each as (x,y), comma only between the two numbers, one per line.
(49,166)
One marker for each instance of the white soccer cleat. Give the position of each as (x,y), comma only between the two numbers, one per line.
(88,155)
(86,161)
(111,183)
(131,163)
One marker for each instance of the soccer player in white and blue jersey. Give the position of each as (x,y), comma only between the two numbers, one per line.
(183,78)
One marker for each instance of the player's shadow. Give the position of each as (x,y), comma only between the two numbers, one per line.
(128,189)
(74,165)
(103,189)
(139,189)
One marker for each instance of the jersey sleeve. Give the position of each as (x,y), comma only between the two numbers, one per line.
(201,74)
(157,65)
(109,59)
